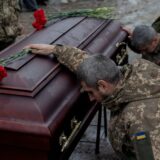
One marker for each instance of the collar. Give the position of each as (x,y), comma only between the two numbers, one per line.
(112,101)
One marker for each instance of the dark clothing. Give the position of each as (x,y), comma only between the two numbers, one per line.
(30,5)
(42,2)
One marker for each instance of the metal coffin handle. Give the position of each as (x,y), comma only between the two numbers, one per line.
(63,140)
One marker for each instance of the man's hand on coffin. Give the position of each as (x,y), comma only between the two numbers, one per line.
(129,30)
(42,49)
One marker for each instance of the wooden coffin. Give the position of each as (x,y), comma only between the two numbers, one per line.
(42,113)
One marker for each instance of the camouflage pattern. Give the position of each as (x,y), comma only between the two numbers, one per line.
(135,107)
(69,56)
(9,28)
(154,57)
(135,104)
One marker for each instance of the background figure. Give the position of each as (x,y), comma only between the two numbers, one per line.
(145,40)
(9,28)
(28,5)
(41,2)
(31,5)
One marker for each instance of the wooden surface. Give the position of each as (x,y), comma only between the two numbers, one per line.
(40,97)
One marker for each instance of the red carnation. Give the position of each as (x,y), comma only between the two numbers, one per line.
(3,73)
(37,26)
(40,19)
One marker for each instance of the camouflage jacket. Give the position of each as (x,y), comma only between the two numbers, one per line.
(9,28)
(135,104)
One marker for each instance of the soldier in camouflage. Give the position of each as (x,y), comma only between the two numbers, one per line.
(132,94)
(146,41)
(9,28)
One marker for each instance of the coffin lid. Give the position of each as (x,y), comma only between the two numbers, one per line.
(30,74)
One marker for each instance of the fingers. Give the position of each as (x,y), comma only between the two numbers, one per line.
(29,46)
(36,51)
(42,49)
(32,46)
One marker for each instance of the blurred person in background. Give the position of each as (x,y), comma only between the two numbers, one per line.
(31,5)
(28,5)
(10,27)
(145,40)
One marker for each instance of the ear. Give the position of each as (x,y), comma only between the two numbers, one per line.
(102,85)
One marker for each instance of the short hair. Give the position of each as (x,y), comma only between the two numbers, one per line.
(142,36)
(96,68)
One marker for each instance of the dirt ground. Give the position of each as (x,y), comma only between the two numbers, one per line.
(129,12)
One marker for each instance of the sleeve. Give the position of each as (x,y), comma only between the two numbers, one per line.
(142,145)
(143,128)
(71,57)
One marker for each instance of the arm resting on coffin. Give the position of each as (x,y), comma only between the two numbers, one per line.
(71,57)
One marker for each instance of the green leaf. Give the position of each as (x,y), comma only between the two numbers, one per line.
(103,12)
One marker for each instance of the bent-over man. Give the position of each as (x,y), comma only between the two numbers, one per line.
(132,94)
(145,40)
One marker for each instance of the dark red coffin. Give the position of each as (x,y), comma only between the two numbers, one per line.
(42,113)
